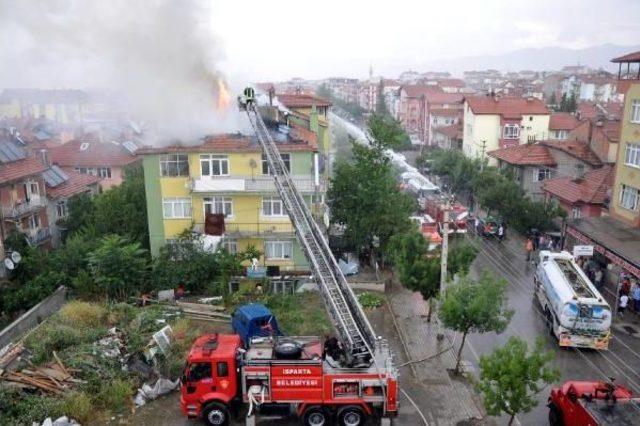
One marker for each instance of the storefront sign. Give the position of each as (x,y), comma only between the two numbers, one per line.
(582,251)
(611,256)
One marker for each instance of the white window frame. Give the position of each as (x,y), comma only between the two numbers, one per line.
(536,174)
(507,132)
(632,155)
(560,134)
(104,172)
(629,197)
(576,212)
(220,161)
(170,165)
(61,209)
(34,222)
(269,206)
(219,205)
(230,245)
(635,111)
(278,249)
(176,208)
(286,157)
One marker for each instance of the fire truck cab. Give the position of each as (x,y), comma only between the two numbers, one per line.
(285,376)
(583,403)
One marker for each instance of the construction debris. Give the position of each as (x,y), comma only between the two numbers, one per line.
(10,353)
(111,346)
(163,338)
(53,378)
(204,312)
(61,421)
(161,387)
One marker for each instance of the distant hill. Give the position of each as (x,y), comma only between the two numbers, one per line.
(547,58)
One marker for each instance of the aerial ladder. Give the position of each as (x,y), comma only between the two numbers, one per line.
(353,327)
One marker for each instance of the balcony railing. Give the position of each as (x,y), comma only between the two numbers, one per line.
(239,229)
(21,209)
(259,184)
(38,236)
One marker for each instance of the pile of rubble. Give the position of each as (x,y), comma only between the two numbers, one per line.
(53,378)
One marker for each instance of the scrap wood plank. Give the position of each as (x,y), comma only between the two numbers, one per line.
(200,306)
(55,355)
(18,377)
(204,313)
(54,373)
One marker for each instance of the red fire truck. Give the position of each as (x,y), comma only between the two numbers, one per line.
(354,380)
(435,206)
(581,403)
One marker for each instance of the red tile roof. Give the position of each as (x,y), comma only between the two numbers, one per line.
(592,189)
(587,109)
(450,82)
(506,106)
(224,143)
(96,154)
(417,91)
(444,98)
(525,155)
(631,57)
(446,112)
(20,169)
(453,131)
(562,121)
(302,101)
(576,149)
(77,184)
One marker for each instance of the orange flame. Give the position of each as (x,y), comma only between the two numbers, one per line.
(224,98)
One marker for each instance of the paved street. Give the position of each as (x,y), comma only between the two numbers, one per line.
(621,362)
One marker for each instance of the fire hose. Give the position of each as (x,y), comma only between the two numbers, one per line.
(251,394)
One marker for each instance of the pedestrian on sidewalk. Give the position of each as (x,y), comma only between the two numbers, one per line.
(528,246)
(542,242)
(501,233)
(598,277)
(635,295)
(622,304)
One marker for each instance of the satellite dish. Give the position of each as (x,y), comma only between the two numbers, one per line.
(8,263)
(16,257)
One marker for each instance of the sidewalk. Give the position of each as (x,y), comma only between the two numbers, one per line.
(451,399)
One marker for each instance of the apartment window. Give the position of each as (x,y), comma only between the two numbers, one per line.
(278,249)
(104,172)
(272,206)
(176,208)
(218,205)
(174,165)
(560,134)
(283,287)
(635,111)
(629,197)
(231,246)
(632,155)
(265,166)
(214,165)
(576,213)
(511,131)
(87,171)
(541,174)
(34,222)
(61,209)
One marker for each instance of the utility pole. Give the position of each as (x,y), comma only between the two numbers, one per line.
(484,146)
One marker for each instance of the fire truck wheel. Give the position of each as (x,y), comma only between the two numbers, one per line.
(315,416)
(350,416)
(555,416)
(216,414)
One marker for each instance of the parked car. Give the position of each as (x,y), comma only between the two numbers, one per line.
(488,226)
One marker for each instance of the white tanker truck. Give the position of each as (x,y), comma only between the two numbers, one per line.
(575,312)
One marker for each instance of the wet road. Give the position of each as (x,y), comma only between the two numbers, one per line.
(621,361)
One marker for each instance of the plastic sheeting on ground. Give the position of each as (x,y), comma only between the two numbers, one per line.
(161,387)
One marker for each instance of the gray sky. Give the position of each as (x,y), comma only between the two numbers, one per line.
(341,37)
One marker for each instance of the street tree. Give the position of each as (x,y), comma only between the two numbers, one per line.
(511,377)
(553,101)
(118,266)
(363,197)
(381,105)
(470,306)
(386,132)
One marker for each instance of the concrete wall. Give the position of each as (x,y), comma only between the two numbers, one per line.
(33,316)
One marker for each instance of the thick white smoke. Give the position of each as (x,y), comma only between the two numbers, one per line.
(162,55)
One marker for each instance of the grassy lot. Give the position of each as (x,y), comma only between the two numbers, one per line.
(109,388)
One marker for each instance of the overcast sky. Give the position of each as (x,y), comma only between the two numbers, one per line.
(285,38)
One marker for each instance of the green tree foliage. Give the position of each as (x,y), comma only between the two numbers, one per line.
(121,210)
(387,133)
(470,306)
(461,256)
(572,103)
(363,197)
(459,170)
(553,101)
(119,267)
(510,377)
(381,105)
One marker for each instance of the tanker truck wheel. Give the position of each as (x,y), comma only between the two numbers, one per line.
(216,414)
(315,416)
(351,416)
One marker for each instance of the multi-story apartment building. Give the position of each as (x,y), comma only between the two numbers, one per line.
(492,122)
(226,176)
(626,189)
(63,106)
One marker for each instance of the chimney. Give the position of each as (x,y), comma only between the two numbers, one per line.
(44,157)
(579,172)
